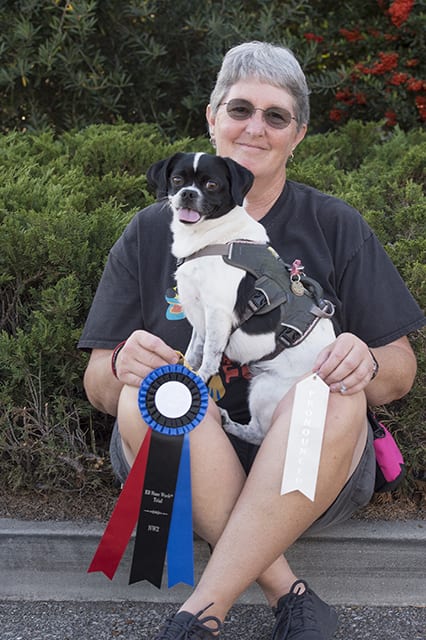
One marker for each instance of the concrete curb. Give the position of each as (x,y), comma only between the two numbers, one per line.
(355,563)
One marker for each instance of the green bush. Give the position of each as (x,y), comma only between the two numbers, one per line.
(69,64)
(63,202)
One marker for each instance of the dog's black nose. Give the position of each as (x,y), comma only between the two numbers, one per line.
(188,195)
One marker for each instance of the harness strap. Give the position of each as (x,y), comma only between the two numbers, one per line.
(216,250)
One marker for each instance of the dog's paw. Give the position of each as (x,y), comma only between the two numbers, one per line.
(245,432)
(206,373)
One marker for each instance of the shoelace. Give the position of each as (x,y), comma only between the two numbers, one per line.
(190,630)
(295,608)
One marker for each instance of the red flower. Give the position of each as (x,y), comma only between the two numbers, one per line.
(351,36)
(374,32)
(347,97)
(398,78)
(361,68)
(415,85)
(388,62)
(421,106)
(390,37)
(335,115)
(361,98)
(399,11)
(412,63)
(313,38)
(344,96)
(390,116)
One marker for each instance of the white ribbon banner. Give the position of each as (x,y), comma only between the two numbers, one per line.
(305,437)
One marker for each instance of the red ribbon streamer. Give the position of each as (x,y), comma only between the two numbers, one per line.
(124,517)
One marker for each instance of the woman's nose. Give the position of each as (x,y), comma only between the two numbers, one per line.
(256,123)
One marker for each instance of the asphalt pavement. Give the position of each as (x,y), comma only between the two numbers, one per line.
(140,621)
(373,572)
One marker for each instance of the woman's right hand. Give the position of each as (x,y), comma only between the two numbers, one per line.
(142,353)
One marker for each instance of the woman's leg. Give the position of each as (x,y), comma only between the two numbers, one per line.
(263,524)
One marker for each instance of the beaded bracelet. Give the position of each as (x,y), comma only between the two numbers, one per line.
(114,356)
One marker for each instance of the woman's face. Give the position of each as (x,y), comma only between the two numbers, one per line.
(252,142)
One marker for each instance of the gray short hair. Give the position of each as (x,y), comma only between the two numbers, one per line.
(273,64)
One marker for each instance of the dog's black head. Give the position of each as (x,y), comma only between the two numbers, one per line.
(200,185)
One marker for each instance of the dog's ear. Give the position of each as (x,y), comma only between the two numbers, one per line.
(158,175)
(241,180)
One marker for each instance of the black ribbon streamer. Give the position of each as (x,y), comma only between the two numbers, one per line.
(156,509)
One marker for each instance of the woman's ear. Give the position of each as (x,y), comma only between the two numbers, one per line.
(300,135)
(210,121)
(209,116)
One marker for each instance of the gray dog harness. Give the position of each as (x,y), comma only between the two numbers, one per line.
(277,284)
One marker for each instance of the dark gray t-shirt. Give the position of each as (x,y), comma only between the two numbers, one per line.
(333,241)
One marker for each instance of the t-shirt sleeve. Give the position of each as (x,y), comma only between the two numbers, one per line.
(115,311)
(376,304)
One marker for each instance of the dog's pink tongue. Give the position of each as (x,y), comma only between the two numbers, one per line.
(188,215)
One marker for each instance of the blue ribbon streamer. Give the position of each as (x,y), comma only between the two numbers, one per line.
(180,546)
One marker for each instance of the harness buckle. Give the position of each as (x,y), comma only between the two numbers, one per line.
(258,300)
(289,336)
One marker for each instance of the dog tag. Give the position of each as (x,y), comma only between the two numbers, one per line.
(297,287)
(305,437)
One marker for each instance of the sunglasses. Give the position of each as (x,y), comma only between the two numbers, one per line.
(276,117)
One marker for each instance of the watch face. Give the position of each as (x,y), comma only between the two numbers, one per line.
(172,400)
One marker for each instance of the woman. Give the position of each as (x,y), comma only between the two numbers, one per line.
(258,114)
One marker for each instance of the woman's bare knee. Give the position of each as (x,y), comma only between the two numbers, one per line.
(130,424)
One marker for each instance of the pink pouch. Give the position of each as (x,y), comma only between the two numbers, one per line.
(390,467)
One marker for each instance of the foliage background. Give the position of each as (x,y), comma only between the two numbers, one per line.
(68,64)
(91,93)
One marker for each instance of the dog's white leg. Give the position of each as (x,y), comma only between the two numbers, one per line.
(194,352)
(266,390)
(218,330)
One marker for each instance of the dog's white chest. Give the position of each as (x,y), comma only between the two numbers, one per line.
(206,286)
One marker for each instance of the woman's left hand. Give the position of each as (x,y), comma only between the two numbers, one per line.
(346,365)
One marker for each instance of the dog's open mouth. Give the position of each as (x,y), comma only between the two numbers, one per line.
(188,215)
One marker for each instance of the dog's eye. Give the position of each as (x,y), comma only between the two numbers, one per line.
(177,181)
(211,185)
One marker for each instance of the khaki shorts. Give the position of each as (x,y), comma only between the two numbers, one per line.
(356,493)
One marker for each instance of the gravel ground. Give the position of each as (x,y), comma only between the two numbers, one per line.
(129,621)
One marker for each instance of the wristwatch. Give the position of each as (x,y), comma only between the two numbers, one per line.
(375,365)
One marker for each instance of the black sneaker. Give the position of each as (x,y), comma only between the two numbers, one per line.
(186,626)
(303,616)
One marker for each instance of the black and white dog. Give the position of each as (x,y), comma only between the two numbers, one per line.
(206,194)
